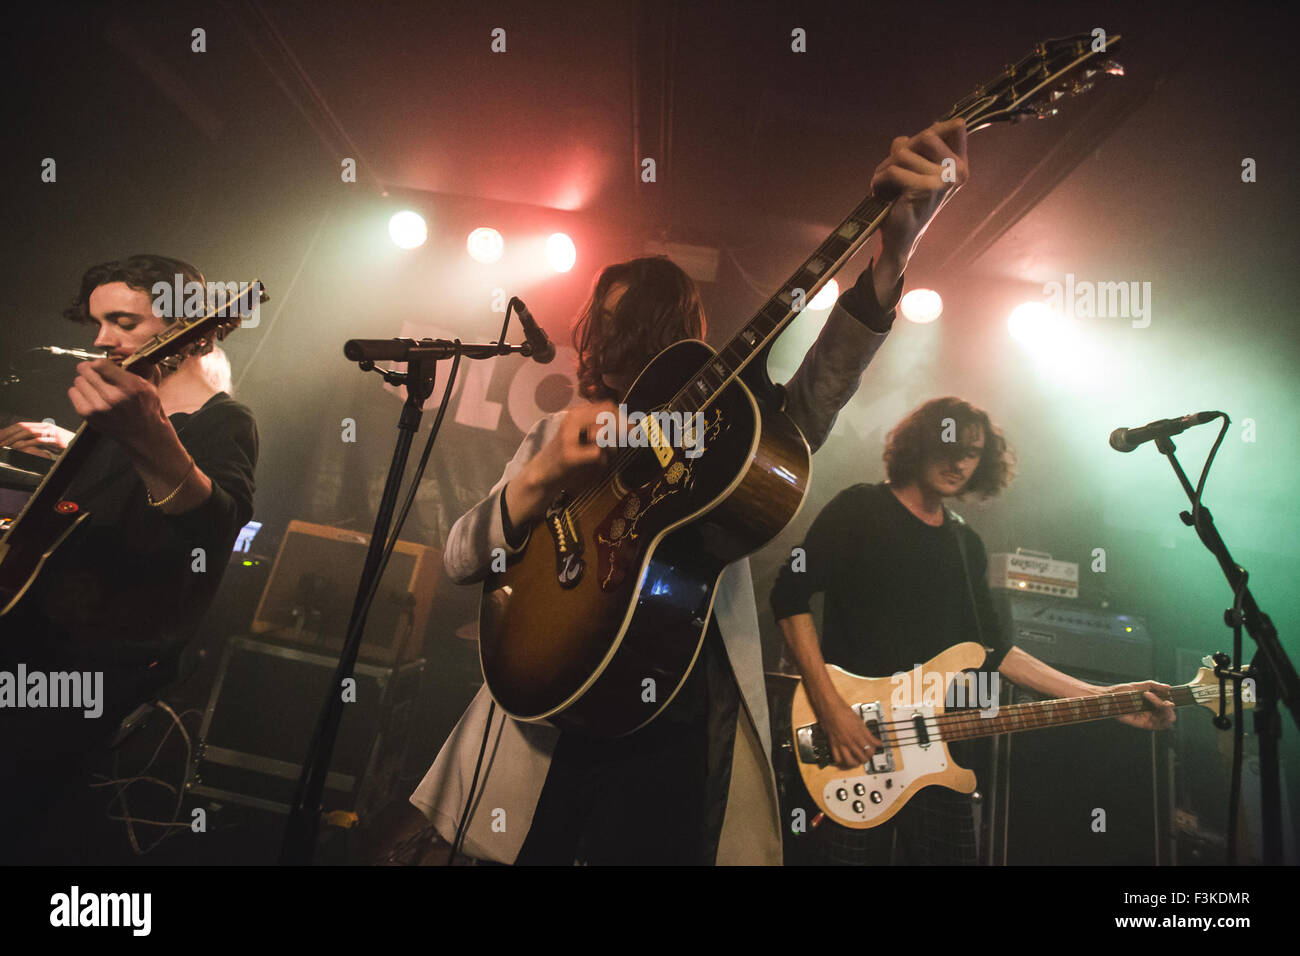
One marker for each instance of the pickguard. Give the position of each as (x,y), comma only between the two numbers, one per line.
(640,508)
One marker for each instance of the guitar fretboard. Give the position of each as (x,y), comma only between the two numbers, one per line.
(967,724)
(781,308)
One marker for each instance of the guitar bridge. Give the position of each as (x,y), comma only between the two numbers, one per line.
(567,541)
(813,747)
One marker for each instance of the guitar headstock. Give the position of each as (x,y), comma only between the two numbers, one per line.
(1032,87)
(186,337)
(1205,690)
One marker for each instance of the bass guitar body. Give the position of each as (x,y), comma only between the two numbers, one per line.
(595,625)
(904,717)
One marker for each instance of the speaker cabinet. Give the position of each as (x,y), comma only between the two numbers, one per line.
(260,719)
(308,599)
(1082,795)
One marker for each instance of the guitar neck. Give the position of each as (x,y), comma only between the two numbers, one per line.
(967,724)
(781,308)
(1053,69)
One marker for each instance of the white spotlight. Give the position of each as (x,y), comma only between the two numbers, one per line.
(1035,324)
(921,306)
(407,229)
(561,252)
(485,244)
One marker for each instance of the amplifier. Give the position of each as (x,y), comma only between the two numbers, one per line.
(261,715)
(1076,638)
(313,583)
(1034,572)
(1048,812)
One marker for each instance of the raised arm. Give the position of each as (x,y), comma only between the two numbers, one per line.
(921,174)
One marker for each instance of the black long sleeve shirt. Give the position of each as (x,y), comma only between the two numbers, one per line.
(895,594)
(129,585)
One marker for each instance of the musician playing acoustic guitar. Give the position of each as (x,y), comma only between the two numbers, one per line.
(167,494)
(695,785)
(887,559)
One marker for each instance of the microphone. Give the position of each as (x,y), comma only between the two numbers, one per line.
(1126,439)
(75,353)
(543,347)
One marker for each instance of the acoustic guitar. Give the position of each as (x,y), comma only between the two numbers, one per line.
(596,623)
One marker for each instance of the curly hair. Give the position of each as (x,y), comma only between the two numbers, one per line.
(140,272)
(918,439)
(661,306)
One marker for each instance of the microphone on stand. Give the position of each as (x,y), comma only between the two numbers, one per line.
(542,346)
(1126,439)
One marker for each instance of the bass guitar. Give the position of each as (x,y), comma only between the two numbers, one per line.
(908,714)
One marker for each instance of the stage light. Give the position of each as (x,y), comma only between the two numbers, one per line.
(560,252)
(485,244)
(1034,324)
(824,299)
(407,229)
(921,306)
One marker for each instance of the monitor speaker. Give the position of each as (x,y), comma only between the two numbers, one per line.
(308,598)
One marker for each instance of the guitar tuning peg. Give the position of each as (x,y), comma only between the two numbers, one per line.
(1057,94)
(1080,88)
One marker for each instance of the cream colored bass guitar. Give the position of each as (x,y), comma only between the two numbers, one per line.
(913,715)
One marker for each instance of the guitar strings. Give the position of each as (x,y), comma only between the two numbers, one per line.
(966,725)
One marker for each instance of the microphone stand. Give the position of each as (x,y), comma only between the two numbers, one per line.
(421,356)
(1271,670)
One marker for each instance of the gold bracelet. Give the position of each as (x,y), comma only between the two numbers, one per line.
(175,491)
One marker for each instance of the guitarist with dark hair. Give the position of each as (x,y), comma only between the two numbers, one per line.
(694,785)
(888,560)
(167,494)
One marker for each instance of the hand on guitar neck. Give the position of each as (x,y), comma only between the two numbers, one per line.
(921,173)
(1160,713)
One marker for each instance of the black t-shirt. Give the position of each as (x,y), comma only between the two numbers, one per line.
(134,583)
(895,594)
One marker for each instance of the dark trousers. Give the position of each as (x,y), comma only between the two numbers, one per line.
(935,828)
(655,797)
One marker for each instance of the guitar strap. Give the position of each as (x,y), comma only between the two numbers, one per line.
(954,521)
